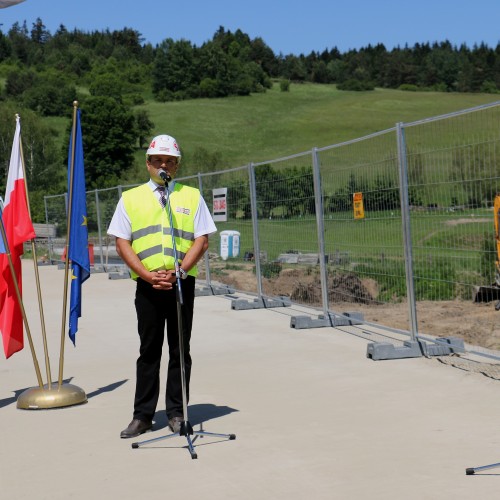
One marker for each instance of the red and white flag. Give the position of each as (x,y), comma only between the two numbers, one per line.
(18,228)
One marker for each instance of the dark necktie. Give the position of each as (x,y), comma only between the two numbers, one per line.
(163,199)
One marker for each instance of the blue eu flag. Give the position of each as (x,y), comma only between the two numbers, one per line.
(78,251)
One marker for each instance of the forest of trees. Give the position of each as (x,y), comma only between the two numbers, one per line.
(38,64)
(109,72)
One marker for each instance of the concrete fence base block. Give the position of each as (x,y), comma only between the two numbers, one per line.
(443,346)
(213,290)
(386,350)
(119,275)
(260,303)
(349,318)
(333,320)
(303,322)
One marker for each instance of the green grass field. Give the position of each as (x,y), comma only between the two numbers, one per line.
(448,235)
(262,127)
(265,126)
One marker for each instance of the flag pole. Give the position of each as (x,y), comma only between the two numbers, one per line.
(37,275)
(69,393)
(68,232)
(62,395)
(20,301)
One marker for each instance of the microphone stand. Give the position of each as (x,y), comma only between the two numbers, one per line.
(186,428)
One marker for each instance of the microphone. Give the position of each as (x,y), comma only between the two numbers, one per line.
(164,176)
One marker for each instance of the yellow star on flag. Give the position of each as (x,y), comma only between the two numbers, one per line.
(84,223)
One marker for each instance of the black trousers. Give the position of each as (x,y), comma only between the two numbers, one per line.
(155,308)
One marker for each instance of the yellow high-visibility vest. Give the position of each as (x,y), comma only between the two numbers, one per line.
(151,235)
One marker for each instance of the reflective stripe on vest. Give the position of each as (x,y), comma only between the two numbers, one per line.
(151,236)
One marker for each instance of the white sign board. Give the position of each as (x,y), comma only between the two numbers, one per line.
(219,211)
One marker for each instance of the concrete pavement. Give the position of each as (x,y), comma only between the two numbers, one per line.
(314,418)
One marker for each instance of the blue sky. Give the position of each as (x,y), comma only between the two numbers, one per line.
(287,26)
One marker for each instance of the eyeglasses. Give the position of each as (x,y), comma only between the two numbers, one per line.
(158,162)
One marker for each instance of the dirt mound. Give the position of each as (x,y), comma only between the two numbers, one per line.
(349,288)
(307,293)
(305,287)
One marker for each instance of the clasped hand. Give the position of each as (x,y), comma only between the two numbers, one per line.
(163,279)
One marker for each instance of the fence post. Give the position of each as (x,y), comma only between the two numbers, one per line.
(405,219)
(318,200)
(98,215)
(256,247)
(207,259)
(49,239)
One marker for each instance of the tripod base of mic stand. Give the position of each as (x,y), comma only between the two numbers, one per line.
(472,470)
(187,431)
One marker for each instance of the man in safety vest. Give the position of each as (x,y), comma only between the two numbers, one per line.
(141,225)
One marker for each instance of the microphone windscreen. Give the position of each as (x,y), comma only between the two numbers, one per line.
(164,176)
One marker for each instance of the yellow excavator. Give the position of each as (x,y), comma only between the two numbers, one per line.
(492,292)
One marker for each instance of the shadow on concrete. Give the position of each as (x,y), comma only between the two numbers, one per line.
(197,414)
(107,388)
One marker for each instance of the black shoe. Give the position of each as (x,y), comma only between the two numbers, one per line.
(175,424)
(135,428)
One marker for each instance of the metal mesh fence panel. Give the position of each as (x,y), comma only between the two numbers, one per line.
(231,249)
(453,177)
(55,213)
(288,238)
(362,220)
(101,205)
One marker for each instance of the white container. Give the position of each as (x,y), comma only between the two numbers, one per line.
(229,244)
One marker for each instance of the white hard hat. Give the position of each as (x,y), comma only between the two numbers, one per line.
(163,145)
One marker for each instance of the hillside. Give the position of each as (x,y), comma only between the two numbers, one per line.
(261,127)
(233,131)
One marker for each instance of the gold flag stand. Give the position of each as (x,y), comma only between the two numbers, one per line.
(45,398)
(50,396)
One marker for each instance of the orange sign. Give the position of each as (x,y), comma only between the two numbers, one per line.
(359,211)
